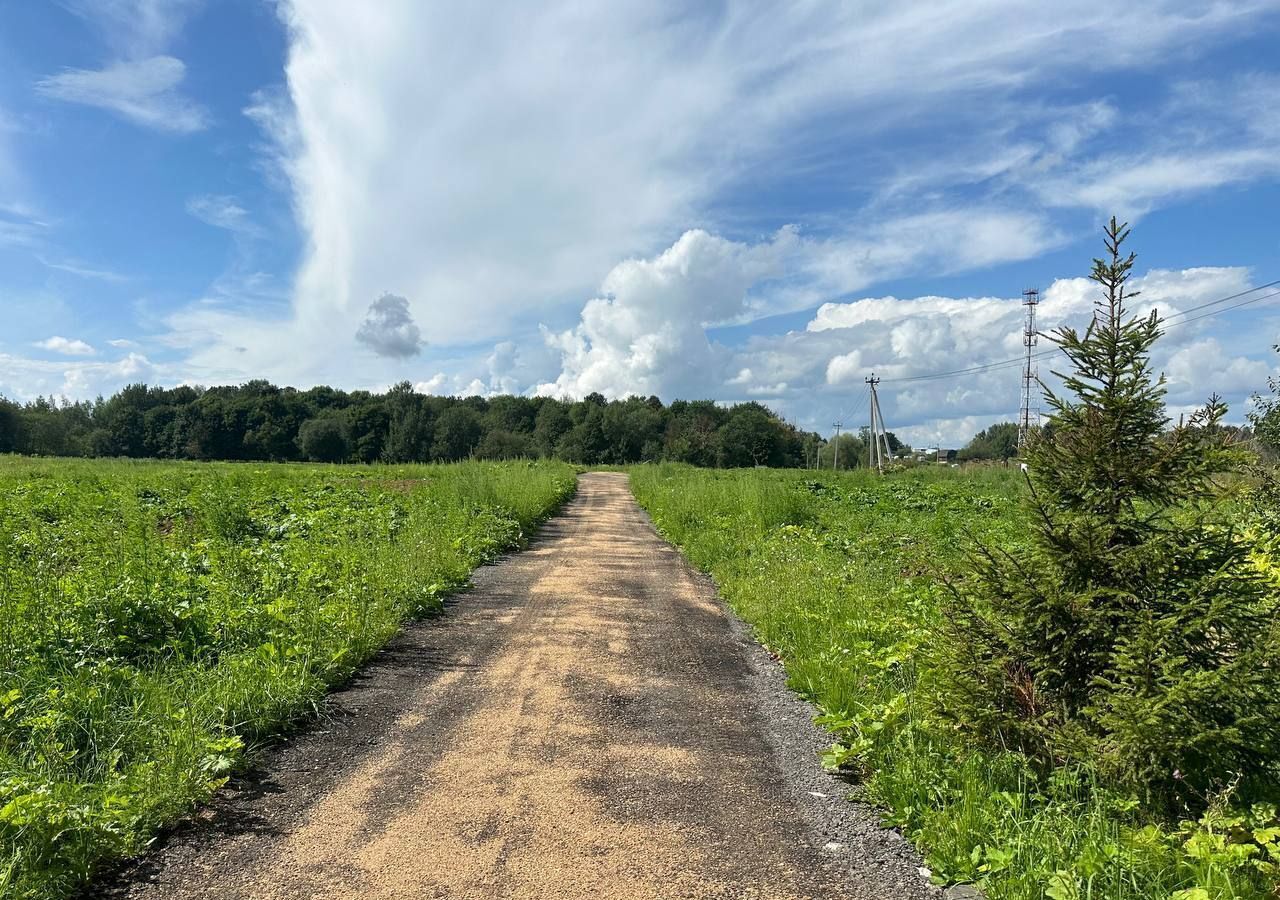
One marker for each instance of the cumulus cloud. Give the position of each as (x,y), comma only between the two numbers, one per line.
(388,328)
(517,182)
(65,346)
(22,378)
(1205,366)
(901,339)
(144,91)
(433,385)
(107,377)
(647,332)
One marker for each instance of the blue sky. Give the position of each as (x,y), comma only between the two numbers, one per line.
(736,201)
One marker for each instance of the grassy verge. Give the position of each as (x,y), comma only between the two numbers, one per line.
(156,619)
(842,575)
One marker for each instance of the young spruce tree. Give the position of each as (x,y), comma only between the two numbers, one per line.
(1132,634)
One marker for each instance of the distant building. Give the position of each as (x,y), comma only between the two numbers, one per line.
(933,454)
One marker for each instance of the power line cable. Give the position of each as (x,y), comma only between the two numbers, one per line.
(856,408)
(1224,309)
(1010,363)
(1252,290)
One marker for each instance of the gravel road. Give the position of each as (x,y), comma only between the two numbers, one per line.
(590,721)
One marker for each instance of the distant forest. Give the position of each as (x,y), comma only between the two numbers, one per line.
(259,421)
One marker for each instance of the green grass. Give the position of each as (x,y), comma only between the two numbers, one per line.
(157,619)
(842,576)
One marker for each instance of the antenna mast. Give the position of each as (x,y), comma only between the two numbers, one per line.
(1030,299)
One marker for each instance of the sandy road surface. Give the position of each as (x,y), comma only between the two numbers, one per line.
(584,724)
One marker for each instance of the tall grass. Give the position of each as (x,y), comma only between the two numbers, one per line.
(842,576)
(156,619)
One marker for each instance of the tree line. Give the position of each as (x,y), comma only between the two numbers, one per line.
(260,421)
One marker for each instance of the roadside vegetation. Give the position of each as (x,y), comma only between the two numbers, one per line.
(159,619)
(1063,686)
(844,577)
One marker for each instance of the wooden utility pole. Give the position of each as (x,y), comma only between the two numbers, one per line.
(835,462)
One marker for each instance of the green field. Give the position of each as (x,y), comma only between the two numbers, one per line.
(843,576)
(157,619)
(160,620)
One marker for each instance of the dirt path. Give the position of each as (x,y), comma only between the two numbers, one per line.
(586,723)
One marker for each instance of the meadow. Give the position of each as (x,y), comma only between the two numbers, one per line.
(160,620)
(844,577)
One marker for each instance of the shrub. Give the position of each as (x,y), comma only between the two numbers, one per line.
(1133,633)
(324,440)
(498,444)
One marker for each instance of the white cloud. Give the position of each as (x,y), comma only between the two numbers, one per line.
(433,385)
(108,377)
(494,162)
(144,91)
(943,241)
(1131,186)
(20,225)
(141,83)
(9,207)
(1205,366)
(24,379)
(1096,155)
(136,27)
(1204,135)
(65,346)
(647,333)
(221,211)
(82,270)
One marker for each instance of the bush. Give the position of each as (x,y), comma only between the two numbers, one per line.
(324,440)
(505,445)
(1133,634)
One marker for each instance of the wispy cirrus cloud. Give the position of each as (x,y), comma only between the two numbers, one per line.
(136,27)
(82,270)
(222,211)
(142,83)
(144,91)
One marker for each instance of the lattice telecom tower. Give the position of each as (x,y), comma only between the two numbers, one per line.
(1030,299)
